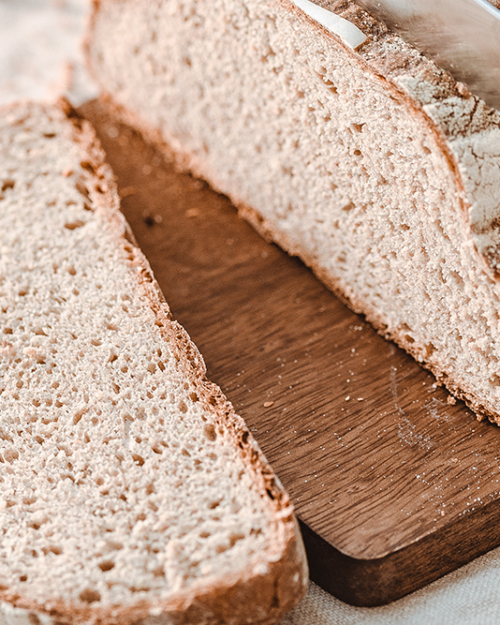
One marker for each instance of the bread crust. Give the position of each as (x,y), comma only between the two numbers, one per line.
(274,582)
(463,126)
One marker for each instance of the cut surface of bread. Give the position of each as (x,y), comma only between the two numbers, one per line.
(372,164)
(130,491)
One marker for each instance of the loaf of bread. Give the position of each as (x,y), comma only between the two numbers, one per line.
(130,490)
(342,143)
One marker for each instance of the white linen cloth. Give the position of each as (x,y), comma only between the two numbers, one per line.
(468,596)
(40,57)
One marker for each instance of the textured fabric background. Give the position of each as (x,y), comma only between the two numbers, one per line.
(40,58)
(40,51)
(469,596)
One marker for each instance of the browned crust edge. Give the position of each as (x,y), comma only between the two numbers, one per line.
(258,595)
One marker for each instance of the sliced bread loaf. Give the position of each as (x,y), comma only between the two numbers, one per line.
(342,143)
(130,491)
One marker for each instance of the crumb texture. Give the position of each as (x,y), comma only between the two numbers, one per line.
(120,480)
(375,167)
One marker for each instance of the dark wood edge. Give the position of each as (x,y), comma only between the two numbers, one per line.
(370,583)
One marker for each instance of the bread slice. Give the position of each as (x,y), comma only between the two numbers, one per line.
(347,147)
(130,490)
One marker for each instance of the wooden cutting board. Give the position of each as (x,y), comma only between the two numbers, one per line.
(394,484)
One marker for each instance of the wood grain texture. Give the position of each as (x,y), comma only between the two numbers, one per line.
(394,483)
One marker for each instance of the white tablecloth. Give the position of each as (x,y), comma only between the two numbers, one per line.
(40,57)
(469,596)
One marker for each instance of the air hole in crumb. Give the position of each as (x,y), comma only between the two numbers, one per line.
(234,538)
(73,225)
(82,189)
(107,565)
(269,494)
(194,397)
(88,166)
(78,416)
(495,380)
(358,127)
(55,550)
(183,407)
(90,596)
(185,452)
(96,342)
(7,330)
(10,455)
(214,504)
(357,153)
(139,460)
(210,432)
(8,184)
(23,578)
(429,350)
